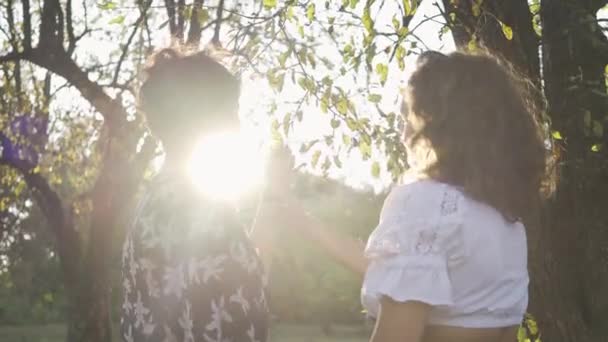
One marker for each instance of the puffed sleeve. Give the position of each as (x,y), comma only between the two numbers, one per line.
(410,251)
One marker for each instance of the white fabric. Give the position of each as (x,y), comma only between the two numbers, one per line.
(435,245)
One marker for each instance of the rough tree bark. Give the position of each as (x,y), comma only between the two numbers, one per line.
(85,266)
(568,258)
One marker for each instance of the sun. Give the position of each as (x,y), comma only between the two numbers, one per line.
(228,165)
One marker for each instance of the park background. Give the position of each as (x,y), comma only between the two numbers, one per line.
(323,76)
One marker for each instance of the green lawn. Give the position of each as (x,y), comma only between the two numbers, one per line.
(280,333)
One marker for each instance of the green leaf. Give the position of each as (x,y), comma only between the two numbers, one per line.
(119,20)
(368,23)
(289,13)
(532,326)
(283,58)
(521,334)
(48,297)
(310,12)
(507,31)
(587,118)
(407,6)
(335,123)
(324,104)
(400,55)
(476,8)
(597,129)
(342,105)
(353,3)
(315,158)
(346,140)
(351,123)
(337,161)
(286,123)
(396,23)
(305,147)
(556,135)
(596,147)
(534,6)
(301,30)
(270,3)
(108,5)
(472,45)
(365,149)
(203,16)
(274,130)
(326,164)
(375,169)
(382,71)
(374,98)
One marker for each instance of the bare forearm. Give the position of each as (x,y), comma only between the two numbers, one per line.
(290,214)
(344,249)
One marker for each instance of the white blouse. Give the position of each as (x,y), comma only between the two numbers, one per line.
(436,245)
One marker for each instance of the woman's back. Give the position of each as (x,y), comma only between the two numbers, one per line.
(437,245)
(189,271)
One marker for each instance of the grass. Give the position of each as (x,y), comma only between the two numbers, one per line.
(280,333)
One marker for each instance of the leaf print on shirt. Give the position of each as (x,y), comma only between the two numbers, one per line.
(211,267)
(195,272)
(175,282)
(140,312)
(251,334)
(218,314)
(185,321)
(240,299)
(245,258)
(128,337)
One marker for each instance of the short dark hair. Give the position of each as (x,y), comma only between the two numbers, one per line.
(184,91)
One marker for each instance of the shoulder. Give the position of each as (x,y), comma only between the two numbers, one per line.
(423,197)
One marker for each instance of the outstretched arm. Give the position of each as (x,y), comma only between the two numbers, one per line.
(291,215)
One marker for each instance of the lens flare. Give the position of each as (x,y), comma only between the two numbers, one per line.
(226,166)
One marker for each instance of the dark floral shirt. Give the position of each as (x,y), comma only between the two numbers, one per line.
(189,272)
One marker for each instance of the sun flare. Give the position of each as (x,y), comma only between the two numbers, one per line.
(226,166)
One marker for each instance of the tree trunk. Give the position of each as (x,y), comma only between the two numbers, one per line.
(568,258)
(574,56)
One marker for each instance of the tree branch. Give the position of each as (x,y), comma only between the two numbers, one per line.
(181,8)
(61,64)
(70,27)
(13,56)
(216,34)
(170,6)
(51,28)
(27,25)
(51,205)
(195,31)
(125,48)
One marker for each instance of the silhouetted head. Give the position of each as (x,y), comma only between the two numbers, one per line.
(184,95)
(470,122)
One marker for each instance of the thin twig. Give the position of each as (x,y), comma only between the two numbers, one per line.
(125,48)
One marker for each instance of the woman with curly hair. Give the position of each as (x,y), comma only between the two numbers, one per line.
(448,259)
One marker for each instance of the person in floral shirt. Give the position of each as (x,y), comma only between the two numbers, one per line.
(189,270)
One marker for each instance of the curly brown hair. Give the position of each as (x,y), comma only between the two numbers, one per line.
(471,122)
(182,92)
